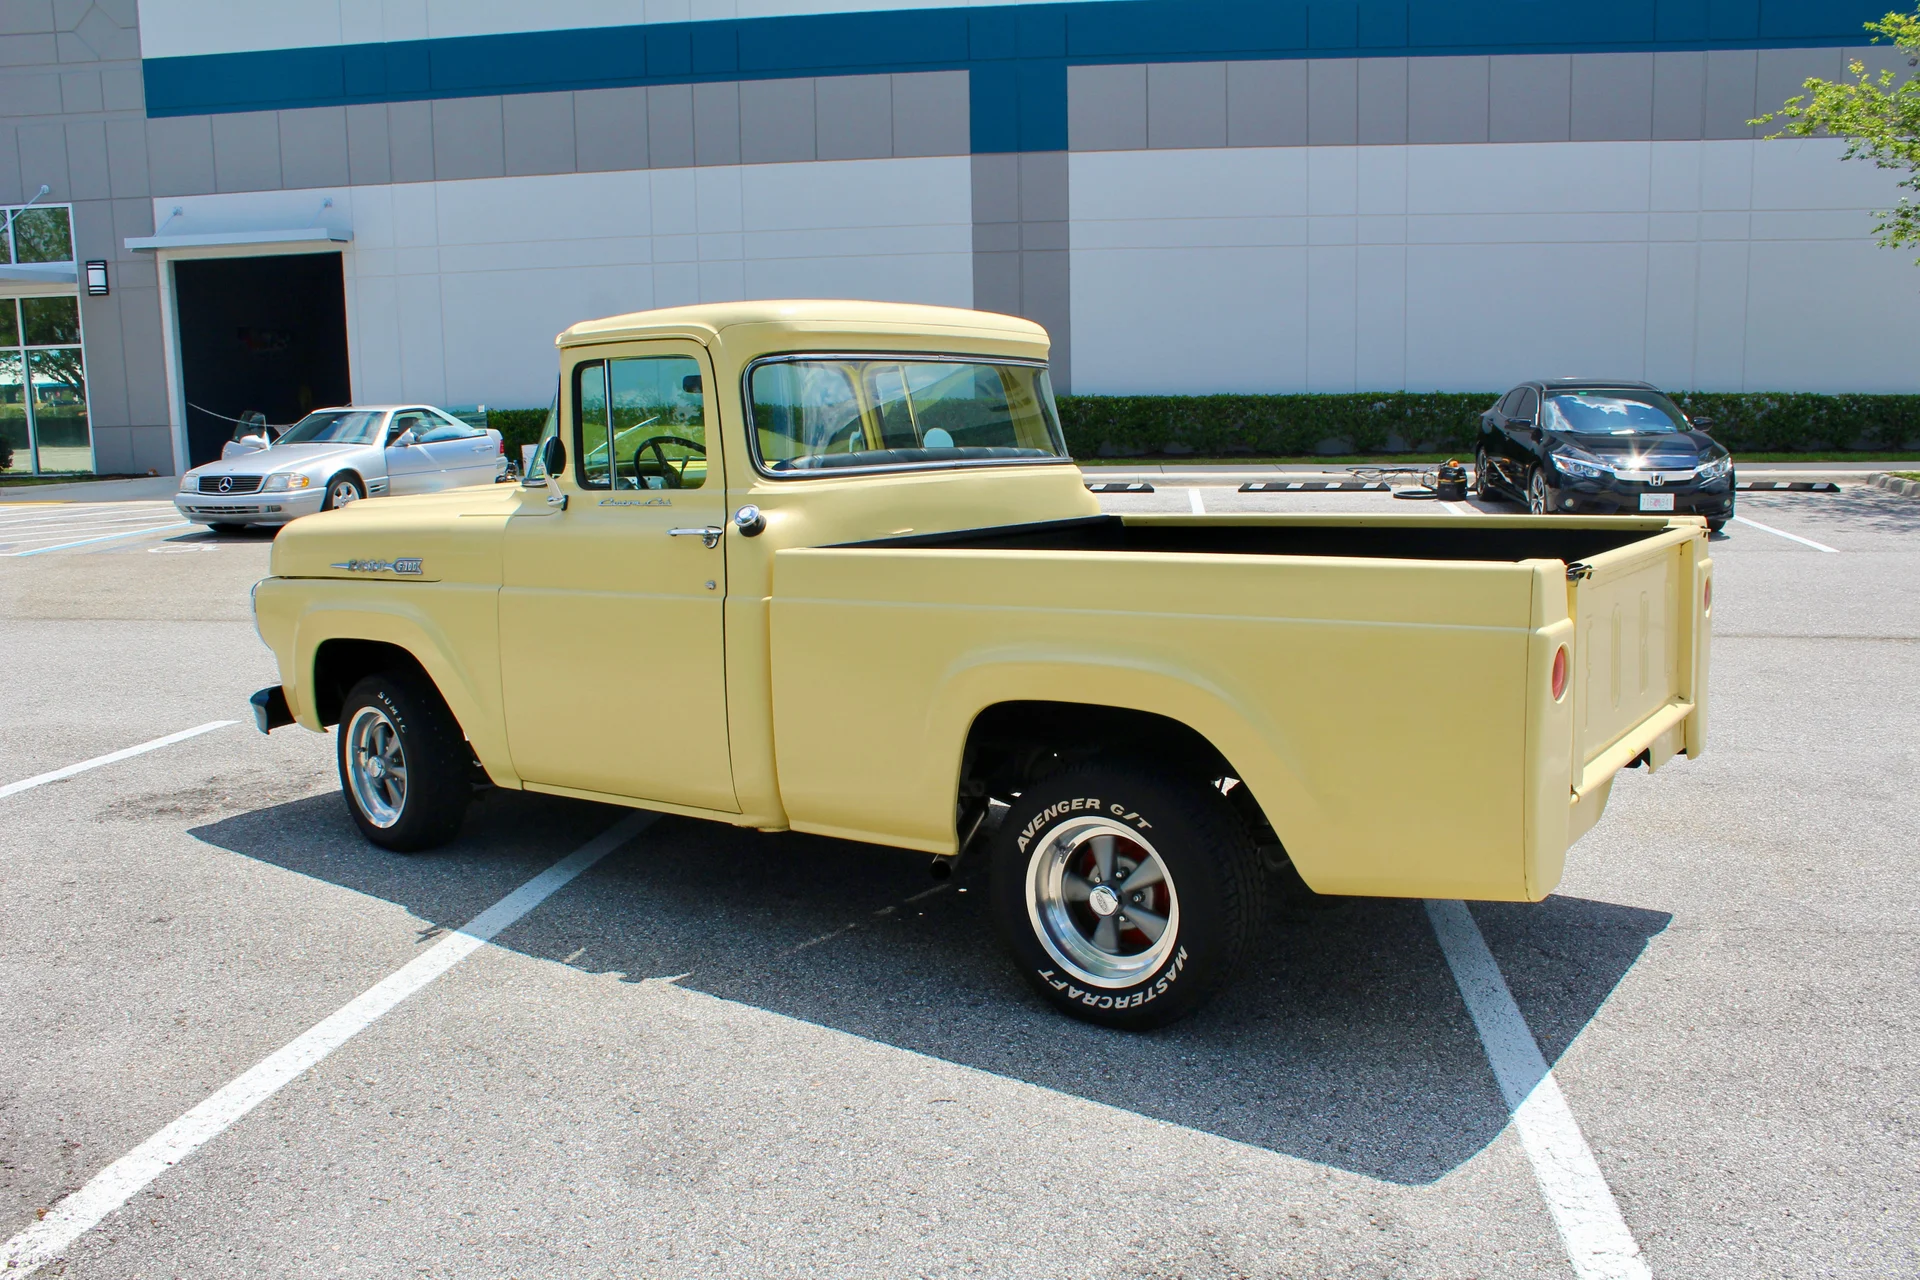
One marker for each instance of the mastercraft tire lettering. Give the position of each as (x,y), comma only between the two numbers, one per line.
(1127,898)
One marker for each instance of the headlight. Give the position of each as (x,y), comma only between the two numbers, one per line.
(281,481)
(189,482)
(1579,466)
(1716,468)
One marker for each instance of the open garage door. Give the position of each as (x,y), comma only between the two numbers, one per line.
(266,333)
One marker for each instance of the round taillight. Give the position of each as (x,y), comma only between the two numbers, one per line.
(1560,673)
(1706,597)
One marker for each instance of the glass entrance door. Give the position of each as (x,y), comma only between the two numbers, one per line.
(44,423)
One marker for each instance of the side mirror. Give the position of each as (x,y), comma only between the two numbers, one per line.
(553,457)
(1520,424)
(1701,424)
(691,384)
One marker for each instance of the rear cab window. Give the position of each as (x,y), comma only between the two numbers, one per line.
(815,414)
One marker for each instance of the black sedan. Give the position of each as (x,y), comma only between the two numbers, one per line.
(1601,448)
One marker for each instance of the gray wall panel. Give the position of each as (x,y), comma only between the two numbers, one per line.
(1043,186)
(1333,106)
(670,126)
(1023,199)
(468,140)
(931,114)
(853,116)
(1612,97)
(1046,297)
(87,160)
(538,133)
(996,188)
(1447,100)
(121,89)
(43,158)
(146,366)
(1267,104)
(10,189)
(80,91)
(100,326)
(132,216)
(1187,104)
(246,151)
(28,51)
(716,123)
(610,129)
(152,449)
(776,121)
(1782,73)
(127,157)
(1679,95)
(26,17)
(112,446)
(1107,108)
(368,158)
(1730,93)
(1529,98)
(27,93)
(313,147)
(1383,101)
(410,141)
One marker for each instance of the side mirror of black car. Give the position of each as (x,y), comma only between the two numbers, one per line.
(1520,424)
(1701,424)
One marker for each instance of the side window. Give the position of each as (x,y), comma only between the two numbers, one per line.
(437,426)
(659,422)
(1526,406)
(418,423)
(590,451)
(1508,403)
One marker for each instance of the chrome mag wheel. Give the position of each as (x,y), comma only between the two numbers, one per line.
(1101,902)
(1538,501)
(344,491)
(376,767)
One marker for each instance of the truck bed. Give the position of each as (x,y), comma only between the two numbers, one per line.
(1381,684)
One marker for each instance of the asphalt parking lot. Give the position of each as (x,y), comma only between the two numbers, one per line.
(726,1053)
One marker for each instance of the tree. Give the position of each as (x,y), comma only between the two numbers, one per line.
(1880,119)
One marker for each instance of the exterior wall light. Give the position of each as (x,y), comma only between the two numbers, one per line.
(97,279)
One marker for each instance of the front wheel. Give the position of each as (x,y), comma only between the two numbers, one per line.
(1126,897)
(1540,496)
(403,763)
(343,489)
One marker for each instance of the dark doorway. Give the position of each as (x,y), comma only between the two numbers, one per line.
(259,333)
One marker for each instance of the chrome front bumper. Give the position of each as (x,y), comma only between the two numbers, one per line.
(248,508)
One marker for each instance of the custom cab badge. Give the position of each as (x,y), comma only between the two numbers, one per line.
(409,565)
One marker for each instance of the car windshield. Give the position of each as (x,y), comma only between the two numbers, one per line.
(813,413)
(334,426)
(1613,413)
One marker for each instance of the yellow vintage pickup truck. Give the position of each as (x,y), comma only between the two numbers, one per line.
(827,567)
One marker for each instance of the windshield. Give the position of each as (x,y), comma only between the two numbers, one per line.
(1613,413)
(830,412)
(334,426)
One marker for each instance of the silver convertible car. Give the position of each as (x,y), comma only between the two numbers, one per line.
(335,456)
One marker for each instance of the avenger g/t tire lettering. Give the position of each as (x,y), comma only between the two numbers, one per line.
(1126,897)
(403,763)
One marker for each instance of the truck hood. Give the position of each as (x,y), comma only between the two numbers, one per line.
(452,536)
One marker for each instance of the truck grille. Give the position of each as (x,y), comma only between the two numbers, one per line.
(230,484)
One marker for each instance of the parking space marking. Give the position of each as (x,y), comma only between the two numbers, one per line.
(107,537)
(112,757)
(1194,504)
(1791,537)
(1597,1239)
(120,1181)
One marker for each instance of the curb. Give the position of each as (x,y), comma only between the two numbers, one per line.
(1894,484)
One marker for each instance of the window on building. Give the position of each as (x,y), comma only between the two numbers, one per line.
(43,380)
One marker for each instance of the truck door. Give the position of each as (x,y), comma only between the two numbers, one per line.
(612,654)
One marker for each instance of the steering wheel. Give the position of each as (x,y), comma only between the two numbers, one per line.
(663,465)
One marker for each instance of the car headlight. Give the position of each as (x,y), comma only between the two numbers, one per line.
(281,481)
(1716,468)
(189,482)
(1579,466)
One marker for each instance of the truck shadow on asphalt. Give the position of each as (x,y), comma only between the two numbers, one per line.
(1346,1043)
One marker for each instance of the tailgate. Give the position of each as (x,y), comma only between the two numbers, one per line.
(1640,616)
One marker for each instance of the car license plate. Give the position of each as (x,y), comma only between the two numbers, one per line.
(1656,502)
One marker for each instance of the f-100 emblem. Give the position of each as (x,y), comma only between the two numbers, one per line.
(408,565)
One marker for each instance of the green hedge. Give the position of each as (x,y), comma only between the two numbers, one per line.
(1399,421)
(1440,422)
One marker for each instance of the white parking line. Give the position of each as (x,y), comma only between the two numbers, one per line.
(120,1181)
(105,537)
(1198,507)
(1791,537)
(1596,1237)
(26,784)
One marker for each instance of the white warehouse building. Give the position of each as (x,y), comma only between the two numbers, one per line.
(270,205)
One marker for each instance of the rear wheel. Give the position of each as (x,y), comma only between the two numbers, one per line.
(1483,484)
(1126,897)
(403,763)
(343,489)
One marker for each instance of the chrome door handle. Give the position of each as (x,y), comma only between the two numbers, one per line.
(708,534)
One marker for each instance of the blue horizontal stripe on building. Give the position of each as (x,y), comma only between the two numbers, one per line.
(1016,55)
